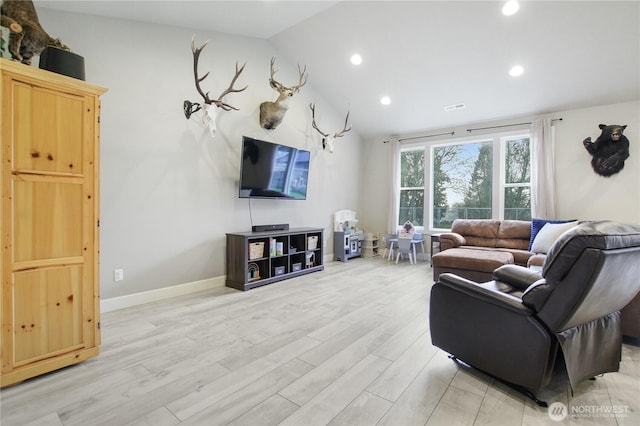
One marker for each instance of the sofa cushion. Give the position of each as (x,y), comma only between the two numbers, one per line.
(537,224)
(520,257)
(477,232)
(514,234)
(472,259)
(548,235)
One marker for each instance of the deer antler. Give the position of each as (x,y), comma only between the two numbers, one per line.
(273,81)
(345,129)
(230,89)
(327,140)
(335,135)
(188,106)
(196,58)
(279,86)
(313,120)
(303,79)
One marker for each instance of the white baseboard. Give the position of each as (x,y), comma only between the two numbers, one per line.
(129,300)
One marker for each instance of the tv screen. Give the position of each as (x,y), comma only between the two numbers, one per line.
(270,170)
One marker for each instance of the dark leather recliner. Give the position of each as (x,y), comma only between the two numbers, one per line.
(517,326)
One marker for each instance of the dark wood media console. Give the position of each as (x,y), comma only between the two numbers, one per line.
(260,258)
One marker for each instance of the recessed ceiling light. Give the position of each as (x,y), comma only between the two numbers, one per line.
(385,100)
(510,8)
(356,59)
(516,71)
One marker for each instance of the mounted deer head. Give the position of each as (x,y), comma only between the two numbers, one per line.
(210,105)
(272,113)
(327,139)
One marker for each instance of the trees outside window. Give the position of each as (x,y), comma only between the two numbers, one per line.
(517,178)
(479,179)
(462,182)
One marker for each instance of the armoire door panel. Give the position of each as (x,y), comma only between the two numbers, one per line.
(48,220)
(48,130)
(48,312)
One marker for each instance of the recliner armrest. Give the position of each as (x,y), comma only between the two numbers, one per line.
(517,276)
(495,297)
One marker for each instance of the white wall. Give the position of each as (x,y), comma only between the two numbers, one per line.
(169,192)
(581,193)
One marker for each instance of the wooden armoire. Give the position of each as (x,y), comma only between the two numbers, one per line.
(50,298)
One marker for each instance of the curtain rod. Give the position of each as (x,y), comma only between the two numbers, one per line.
(507,125)
(468,130)
(425,136)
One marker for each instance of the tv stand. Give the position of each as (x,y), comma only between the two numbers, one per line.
(260,258)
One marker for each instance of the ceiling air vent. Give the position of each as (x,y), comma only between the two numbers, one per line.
(454,107)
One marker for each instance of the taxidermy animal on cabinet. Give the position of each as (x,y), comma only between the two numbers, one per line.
(327,139)
(609,150)
(33,39)
(13,27)
(7,22)
(272,113)
(210,105)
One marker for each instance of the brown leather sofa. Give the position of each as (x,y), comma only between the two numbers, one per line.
(524,327)
(475,247)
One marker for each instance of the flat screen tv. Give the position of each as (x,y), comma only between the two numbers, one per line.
(270,170)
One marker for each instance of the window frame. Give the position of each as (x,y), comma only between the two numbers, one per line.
(498,173)
(503,164)
(404,149)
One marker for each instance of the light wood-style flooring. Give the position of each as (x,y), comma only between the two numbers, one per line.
(346,346)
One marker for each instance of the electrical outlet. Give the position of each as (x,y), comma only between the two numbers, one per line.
(118,275)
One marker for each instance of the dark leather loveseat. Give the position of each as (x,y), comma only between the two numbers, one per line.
(520,326)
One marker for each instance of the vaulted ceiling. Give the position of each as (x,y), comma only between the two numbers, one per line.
(426,55)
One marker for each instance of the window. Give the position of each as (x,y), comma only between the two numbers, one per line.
(412,174)
(517,178)
(482,178)
(462,182)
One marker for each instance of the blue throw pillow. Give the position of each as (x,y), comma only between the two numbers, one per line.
(537,224)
